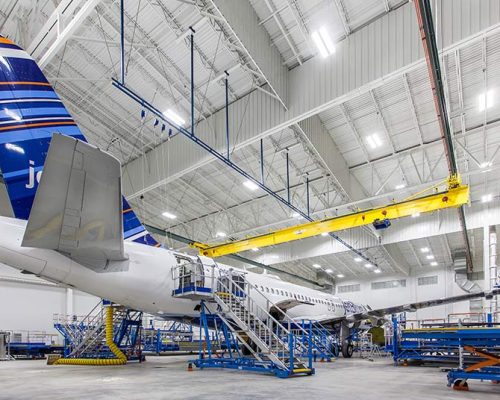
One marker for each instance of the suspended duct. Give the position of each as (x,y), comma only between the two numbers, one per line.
(463,281)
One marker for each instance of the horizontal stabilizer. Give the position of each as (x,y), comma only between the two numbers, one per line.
(78,206)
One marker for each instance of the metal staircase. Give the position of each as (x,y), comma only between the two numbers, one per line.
(324,342)
(85,337)
(243,309)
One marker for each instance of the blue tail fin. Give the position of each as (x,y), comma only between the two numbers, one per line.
(30,111)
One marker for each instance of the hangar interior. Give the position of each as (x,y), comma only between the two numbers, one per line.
(235,120)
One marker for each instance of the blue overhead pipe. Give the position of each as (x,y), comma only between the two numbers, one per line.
(145,104)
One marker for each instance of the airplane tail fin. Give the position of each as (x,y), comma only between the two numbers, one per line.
(30,113)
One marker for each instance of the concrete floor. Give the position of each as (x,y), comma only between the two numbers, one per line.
(167,378)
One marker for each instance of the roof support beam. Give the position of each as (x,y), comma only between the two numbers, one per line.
(54,27)
(317,85)
(242,20)
(317,136)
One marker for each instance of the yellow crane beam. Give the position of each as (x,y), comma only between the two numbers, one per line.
(455,196)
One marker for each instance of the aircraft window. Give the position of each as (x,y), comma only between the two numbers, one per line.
(267,289)
(262,288)
(294,295)
(272,290)
(282,293)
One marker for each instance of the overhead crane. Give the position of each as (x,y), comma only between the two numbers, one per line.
(456,195)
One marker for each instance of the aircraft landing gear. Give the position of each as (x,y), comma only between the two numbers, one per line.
(347,349)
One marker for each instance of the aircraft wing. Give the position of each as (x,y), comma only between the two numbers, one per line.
(382,312)
(78,206)
(290,303)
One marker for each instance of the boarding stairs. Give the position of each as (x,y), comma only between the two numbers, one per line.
(85,336)
(244,309)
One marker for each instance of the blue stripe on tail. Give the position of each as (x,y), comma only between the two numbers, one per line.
(30,112)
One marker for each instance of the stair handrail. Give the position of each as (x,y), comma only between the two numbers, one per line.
(265,312)
(288,319)
(97,333)
(89,336)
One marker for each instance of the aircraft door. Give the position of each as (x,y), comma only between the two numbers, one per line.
(190,273)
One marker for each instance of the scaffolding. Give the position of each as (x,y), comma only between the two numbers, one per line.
(473,349)
(109,335)
(247,336)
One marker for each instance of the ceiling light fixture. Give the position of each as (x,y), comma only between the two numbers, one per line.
(317,266)
(485,100)
(485,164)
(220,234)
(434,264)
(374,141)
(174,117)
(250,185)
(486,198)
(400,186)
(255,249)
(358,259)
(168,215)
(368,265)
(324,234)
(340,275)
(328,270)
(323,42)
(377,271)
(295,215)
(424,249)
(430,257)
(415,215)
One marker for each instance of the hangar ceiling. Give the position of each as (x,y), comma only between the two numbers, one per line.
(395,104)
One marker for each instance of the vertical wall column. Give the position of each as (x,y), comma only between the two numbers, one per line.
(490,267)
(69,301)
(493,271)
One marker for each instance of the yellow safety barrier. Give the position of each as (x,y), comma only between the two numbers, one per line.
(120,357)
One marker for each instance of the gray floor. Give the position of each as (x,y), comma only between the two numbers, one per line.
(167,378)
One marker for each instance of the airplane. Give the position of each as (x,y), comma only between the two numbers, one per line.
(72,226)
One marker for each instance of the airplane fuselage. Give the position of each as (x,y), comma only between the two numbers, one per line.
(145,280)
